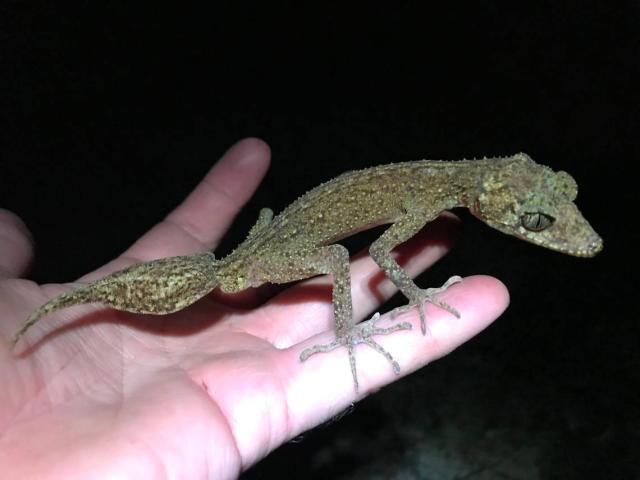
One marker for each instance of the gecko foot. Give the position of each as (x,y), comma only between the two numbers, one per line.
(428,295)
(360,333)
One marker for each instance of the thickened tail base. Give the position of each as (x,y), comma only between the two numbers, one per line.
(158,287)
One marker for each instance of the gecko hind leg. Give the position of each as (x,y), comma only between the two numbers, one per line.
(360,333)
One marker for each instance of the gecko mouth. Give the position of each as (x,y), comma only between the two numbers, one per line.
(593,247)
(588,248)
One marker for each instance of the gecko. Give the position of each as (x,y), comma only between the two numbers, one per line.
(512,194)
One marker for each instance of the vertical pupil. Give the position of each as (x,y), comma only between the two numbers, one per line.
(536,221)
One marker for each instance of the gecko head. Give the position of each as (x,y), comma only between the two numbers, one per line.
(534,203)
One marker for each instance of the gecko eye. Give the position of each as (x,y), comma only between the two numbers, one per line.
(536,221)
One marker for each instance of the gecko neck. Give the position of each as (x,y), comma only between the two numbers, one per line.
(463,178)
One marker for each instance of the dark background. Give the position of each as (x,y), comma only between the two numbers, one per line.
(111,113)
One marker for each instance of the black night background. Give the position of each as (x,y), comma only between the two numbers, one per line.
(110,113)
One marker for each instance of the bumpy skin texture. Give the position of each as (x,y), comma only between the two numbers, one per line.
(512,194)
(162,286)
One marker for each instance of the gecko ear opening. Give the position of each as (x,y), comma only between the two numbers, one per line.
(536,221)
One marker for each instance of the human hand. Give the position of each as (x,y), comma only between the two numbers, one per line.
(210,390)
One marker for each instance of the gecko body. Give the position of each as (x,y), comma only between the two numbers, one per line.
(512,194)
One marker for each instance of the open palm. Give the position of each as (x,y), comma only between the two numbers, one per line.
(208,391)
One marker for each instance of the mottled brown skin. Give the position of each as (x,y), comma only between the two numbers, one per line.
(161,286)
(513,194)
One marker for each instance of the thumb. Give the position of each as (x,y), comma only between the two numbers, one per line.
(16,245)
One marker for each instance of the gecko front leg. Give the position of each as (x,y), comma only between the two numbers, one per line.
(403,229)
(360,333)
(334,260)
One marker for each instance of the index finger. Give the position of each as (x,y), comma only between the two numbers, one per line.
(323,386)
(198,223)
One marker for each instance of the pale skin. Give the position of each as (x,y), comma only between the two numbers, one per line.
(208,391)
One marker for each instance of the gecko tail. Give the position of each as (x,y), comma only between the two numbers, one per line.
(158,287)
(78,296)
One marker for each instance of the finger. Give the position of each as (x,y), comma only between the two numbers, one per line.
(16,245)
(306,309)
(480,299)
(205,215)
